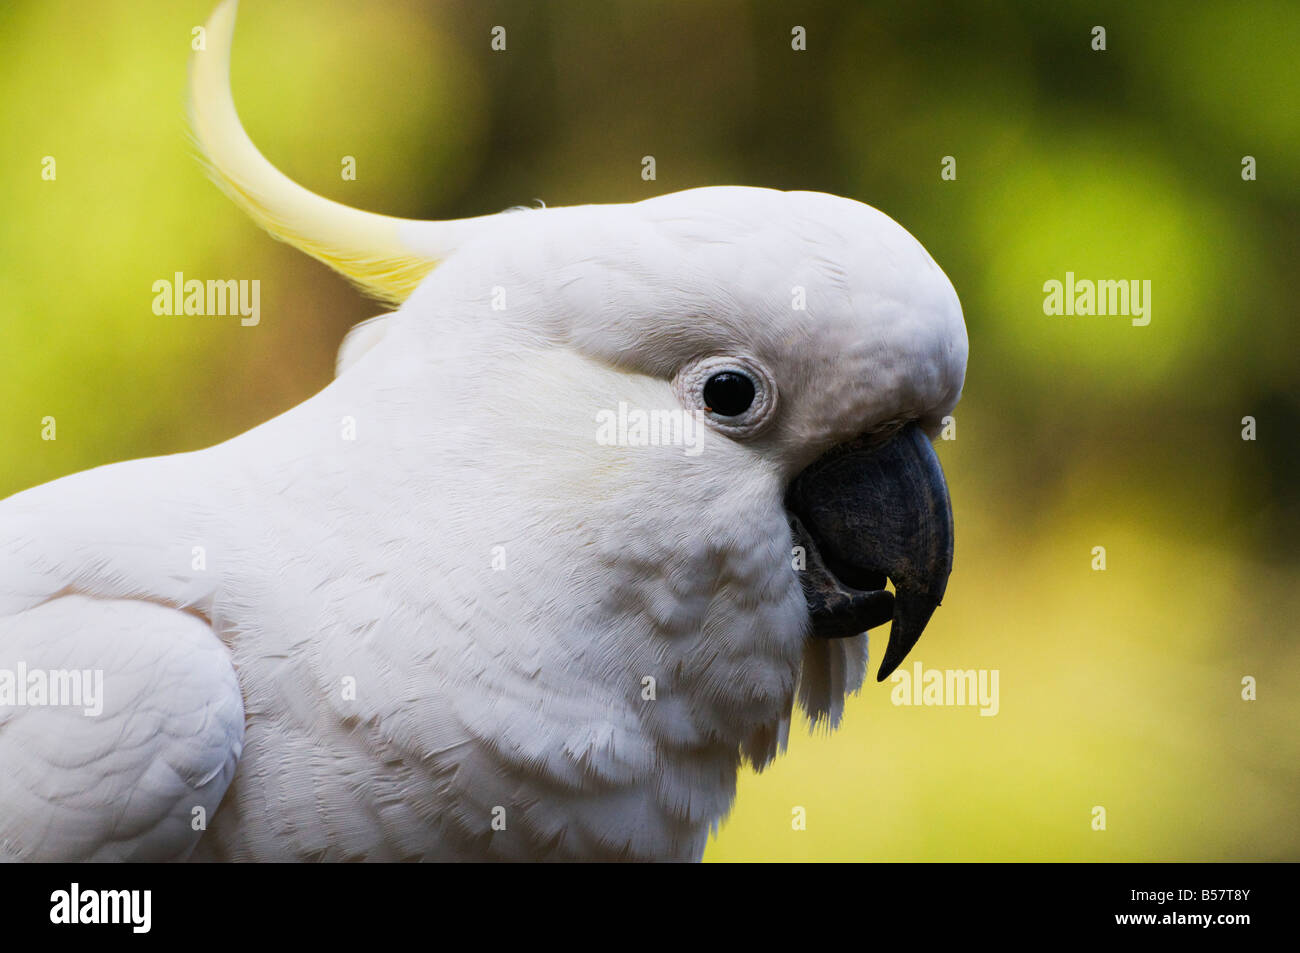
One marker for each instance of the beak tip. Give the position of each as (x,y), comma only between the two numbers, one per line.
(912,615)
(890,662)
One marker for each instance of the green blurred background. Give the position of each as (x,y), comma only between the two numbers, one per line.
(1119,688)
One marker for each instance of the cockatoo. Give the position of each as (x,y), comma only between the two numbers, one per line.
(426,613)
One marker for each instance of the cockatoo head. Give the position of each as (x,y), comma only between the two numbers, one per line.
(811,339)
(811,333)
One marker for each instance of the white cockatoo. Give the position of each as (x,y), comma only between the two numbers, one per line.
(427,613)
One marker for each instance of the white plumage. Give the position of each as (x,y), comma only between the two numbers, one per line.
(482,691)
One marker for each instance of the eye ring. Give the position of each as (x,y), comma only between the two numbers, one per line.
(734,393)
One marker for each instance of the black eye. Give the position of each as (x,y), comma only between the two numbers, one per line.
(729,393)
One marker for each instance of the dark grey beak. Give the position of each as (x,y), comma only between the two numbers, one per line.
(865,512)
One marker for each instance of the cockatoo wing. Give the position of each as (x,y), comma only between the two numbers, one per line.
(139,779)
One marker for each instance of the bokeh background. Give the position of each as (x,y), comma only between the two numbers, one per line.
(1119,688)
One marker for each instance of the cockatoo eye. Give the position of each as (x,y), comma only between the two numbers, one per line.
(735,393)
(729,394)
